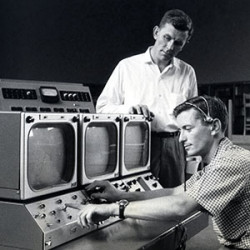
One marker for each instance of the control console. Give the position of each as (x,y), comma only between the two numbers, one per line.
(45,223)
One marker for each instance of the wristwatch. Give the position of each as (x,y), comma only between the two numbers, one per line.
(122,206)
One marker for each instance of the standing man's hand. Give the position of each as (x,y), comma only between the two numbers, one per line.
(142,110)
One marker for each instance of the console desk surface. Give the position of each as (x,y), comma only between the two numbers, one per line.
(131,234)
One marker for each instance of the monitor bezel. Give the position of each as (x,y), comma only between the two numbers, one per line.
(85,122)
(127,120)
(26,192)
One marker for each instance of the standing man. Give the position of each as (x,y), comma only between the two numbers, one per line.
(152,84)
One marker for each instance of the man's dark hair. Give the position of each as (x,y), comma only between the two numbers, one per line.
(207,107)
(179,19)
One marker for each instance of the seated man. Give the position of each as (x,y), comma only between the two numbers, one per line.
(221,188)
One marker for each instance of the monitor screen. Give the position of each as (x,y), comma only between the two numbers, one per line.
(136,145)
(51,151)
(100,149)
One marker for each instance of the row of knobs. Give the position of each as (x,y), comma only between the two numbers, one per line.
(30,119)
(126,186)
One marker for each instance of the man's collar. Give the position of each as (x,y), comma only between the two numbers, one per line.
(148,59)
(147,56)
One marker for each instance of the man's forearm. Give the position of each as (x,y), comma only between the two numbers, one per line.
(137,196)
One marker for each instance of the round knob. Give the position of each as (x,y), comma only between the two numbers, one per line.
(84,202)
(30,119)
(154,184)
(74,197)
(126,119)
(53,212)
(48,243)
(42,206)
(75,119)
(86,119)
(42,216)
(70,95)
(117,119)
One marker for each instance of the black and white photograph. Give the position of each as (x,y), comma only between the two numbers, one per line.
(124,124)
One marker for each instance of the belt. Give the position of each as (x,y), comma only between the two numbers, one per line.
(165,134)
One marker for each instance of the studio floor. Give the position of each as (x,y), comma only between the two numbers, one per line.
(205,240)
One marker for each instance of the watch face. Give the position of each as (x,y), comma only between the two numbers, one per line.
(123,202)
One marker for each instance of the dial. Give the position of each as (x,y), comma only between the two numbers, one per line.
(49,94)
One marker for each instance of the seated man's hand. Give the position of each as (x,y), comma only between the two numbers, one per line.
(93,214)
(103,190)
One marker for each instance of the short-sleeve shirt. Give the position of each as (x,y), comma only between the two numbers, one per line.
(222,188)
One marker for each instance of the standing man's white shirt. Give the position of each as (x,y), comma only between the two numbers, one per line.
(138,80)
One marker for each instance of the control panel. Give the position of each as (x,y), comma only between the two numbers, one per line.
(53,221)
(41,96)
(149,182)
(57,217)
(138,183)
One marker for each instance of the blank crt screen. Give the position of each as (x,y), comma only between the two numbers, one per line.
(51,150)
(136,145)
(100,149)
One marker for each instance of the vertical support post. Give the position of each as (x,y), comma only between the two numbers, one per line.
(230,119)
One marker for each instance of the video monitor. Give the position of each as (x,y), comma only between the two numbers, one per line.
(41,155)
(135,147)
(99,147)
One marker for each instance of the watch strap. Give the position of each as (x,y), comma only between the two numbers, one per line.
(122,206)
